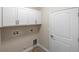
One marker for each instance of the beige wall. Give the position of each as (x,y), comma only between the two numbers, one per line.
(43,34)
(17,43)
(0,39)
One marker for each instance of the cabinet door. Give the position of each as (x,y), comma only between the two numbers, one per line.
(23,16)
(31,19)
(9,16)
(38,17)
(0,17)
(26,16)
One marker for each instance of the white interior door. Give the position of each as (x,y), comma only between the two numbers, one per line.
(63,30)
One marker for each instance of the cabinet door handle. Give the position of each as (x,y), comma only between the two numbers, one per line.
(17,21)
(35,21)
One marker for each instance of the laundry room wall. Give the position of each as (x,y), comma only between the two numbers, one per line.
(15,43)
(0,39)
(43,34)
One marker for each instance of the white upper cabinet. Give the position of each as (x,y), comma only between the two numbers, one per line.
(0,17)
(27,16)
(23,16)
(9,16)
(31,17)
(13,16)
(38,17)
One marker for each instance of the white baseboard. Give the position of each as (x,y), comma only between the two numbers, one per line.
(30,48)
(43,47)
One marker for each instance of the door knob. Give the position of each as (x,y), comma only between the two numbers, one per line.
(51,36)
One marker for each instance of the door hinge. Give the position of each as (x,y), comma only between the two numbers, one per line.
(78,39)
(78,14)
